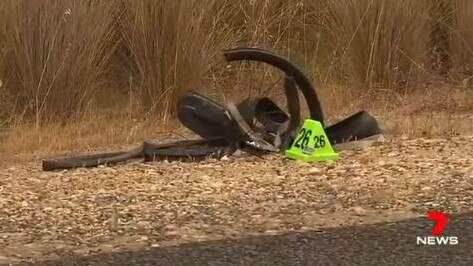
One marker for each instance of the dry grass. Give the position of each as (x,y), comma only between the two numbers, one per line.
(461,43)
(54,60)
(377,43)
(168,47)
(87,132)
(441,112)
(66,60)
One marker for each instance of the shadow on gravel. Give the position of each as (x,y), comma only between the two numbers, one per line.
(380,244)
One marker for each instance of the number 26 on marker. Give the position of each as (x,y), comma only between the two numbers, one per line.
(304,138)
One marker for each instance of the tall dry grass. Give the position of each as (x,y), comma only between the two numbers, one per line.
(4,101)
(60,58)
(376,43)
(55,55)
(461,42)
(59,53)
(169,46)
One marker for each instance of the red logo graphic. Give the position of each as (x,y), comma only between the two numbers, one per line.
(441,220)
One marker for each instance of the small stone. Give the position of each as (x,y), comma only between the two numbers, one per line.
(271,232)
(314,170)
(431,204)
(359,211)
(302,163)
(143,224)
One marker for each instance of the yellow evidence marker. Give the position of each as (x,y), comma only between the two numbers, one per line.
(311,144)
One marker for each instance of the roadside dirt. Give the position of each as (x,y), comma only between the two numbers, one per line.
(136,206)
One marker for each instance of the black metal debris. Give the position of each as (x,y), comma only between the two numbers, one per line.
(226,129)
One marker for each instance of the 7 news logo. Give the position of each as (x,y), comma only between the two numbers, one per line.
(441,220)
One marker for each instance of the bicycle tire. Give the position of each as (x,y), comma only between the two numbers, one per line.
(92,160)
(281,63)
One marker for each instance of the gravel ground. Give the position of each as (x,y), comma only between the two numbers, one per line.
(137,206)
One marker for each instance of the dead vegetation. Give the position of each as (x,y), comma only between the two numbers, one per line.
(118,65)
